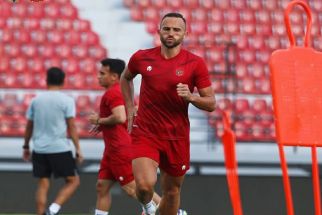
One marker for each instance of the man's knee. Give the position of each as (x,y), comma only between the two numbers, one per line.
(101,188)
(144,186)
(73,181)
(172,193)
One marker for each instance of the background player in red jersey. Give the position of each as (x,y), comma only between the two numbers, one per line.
(116,161)
(160,130)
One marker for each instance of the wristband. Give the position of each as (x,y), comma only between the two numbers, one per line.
(97,121)
(25,146)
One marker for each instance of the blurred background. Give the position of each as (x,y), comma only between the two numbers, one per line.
(236,39)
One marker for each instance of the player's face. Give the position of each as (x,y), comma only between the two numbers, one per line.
(105,77)
(172,32)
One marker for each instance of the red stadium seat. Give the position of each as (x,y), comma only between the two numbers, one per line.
(241,105)
(242,131)
(14,23)
(52,62)
(72,37)
(199,14)
(224,104)
(39,80)
(207,4)
(215,15)
(75,81)
(31,24)
(4,64)
(46,51)
(19,10)
(35,65)
(12,50)
(63,50)
(136,14)
(257,70)
(259,105)
(222,4)
(246,15)
(24,80)
(97,52)
(89,38)
(254,4)
(273,42)
(241,70)
(80,51)
(29,50)
(51,10)
(191,4)
(270,5)
(238,4)
(263,86)
(47,24)
(82,25)
(88,66)
(175,3)
(64,24)
(18,64)
(70,65)
(35,11)
(258,131)
(247,85)
(68,11)
(38,36)
(55,37)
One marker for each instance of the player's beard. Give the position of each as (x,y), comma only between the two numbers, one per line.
(170,45)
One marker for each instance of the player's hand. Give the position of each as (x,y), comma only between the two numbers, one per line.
(95,130)
(184,92)
(131,114)
(79,157)
(92,118)
(26,155)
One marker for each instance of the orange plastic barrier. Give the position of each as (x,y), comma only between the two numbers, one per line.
(296,81)
(229,141)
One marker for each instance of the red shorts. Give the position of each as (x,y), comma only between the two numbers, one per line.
(121,172)
(173,156)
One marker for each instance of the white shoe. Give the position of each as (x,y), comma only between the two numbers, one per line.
(182,212)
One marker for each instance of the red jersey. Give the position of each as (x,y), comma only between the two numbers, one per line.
(162,113)
(116,138)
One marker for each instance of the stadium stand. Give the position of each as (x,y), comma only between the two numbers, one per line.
(235,38)
(255,29)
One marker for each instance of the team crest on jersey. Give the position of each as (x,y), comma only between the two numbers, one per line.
(149,68)
(179,72)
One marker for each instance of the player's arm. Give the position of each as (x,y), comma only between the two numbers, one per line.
(27,137)
(74,136)
(128,95)
(204,101)
(118,116)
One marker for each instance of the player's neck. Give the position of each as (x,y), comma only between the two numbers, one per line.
(109,86)
(170,53)
(54,87)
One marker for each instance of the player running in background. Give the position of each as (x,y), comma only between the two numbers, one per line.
(117,157)
(160,127)
(50,115)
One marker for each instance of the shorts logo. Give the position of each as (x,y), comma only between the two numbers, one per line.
(149,68)
(183,167)
(179,72)
(121,178)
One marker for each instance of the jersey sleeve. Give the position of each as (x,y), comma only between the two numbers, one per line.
(114,99)
(133,63)
(30,111)
(70,108)
(201,76)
